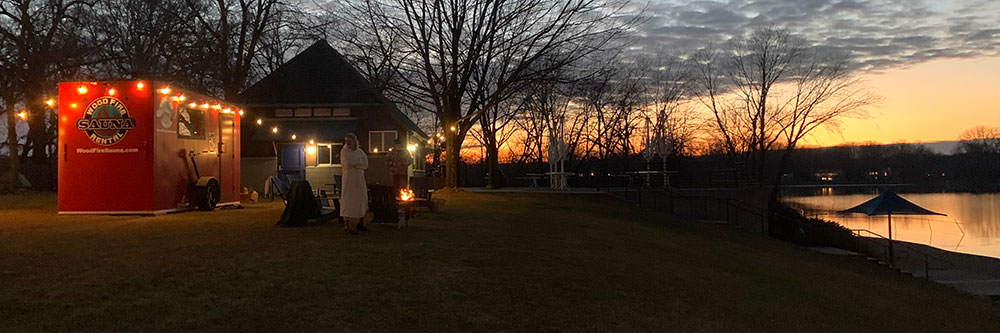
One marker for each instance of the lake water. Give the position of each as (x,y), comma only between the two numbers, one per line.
(972,225)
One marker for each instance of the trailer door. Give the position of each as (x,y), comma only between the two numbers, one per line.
(227,159)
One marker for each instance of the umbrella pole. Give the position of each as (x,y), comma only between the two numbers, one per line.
(892,257)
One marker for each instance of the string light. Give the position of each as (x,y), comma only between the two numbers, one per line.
(165,90)
(193,105)
(274,129)
(181,98)
(111,92)
(23,115)
(311,149)
(82,90)
(72,105)
(259,121)
(453,128)
(293,136)
(204,106)
(312,142)
(240,112)
(139,86)
(375,150)
(50,102)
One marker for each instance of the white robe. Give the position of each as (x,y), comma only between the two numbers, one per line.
(354,189)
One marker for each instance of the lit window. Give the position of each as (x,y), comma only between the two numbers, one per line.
(381,141)
(328,153)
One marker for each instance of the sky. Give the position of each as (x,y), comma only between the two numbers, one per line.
(936,64)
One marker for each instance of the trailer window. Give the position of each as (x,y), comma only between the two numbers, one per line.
(190,123)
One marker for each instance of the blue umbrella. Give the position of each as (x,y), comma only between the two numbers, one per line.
(889,203)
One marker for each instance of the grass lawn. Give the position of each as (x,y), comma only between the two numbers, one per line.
(488,262)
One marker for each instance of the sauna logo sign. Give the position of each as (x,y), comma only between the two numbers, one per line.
(106,121)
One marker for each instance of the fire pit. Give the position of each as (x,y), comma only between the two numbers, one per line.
(405,194)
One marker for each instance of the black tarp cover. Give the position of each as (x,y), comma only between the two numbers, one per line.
(301,206)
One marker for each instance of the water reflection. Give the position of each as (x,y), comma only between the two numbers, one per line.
(972,224)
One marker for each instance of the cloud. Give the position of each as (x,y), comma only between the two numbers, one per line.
(879,34)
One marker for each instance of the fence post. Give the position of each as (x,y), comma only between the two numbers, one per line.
(728,208)
(638,196)
(763,219)
(671,196)
(705,201)
(653,193)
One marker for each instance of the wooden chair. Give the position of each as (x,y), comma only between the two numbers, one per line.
(382,203)
(423,190)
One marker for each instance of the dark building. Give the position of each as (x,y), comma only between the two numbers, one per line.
(296,118)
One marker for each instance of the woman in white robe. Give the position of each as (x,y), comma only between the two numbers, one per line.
(354,189)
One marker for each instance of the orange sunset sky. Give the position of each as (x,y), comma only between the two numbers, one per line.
(931,101)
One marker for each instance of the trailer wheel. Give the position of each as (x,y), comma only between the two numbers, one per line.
(207,195)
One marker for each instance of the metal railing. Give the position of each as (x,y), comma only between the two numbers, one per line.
(755,219)
(888,251)
(731,211)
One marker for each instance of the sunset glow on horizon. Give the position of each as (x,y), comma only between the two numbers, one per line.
(926,102)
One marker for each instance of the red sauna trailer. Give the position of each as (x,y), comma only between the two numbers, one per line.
(145,147)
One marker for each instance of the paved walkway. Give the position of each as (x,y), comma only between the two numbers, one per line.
(977,275)
(974,274)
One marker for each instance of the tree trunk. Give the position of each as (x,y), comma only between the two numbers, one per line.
(36,129)
(493,165)
(13,180)
(773,196)
(453,151)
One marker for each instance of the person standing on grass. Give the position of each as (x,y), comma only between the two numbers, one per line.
(354,189)
(398,161)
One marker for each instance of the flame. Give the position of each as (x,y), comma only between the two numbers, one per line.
(406,194)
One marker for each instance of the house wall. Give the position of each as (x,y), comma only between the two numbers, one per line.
(369,118)
(255,171)
(377,173)
(323,177)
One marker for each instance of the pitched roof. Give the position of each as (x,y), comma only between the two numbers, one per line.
(319,76)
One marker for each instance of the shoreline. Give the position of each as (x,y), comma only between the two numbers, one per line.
(971,273)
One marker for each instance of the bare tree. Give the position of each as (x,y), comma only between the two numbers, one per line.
(8,94)
(674,124)
(769,89)
(45,41)
(142,39)
(230,35)
(980,139)
(493,131)
(615,100)
(463,57)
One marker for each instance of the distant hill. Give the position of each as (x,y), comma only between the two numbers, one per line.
(942,147)
(937,147)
